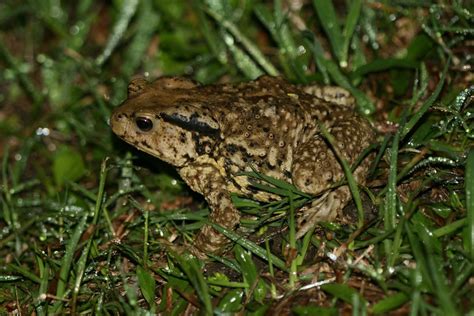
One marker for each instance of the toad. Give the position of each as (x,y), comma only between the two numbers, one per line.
(211,134)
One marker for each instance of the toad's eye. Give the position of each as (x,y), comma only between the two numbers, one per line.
(144,123)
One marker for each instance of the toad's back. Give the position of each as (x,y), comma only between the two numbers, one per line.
(264,123)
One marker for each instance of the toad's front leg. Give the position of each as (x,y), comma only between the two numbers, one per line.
(208,179)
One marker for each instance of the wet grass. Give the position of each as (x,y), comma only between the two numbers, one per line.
(87,223)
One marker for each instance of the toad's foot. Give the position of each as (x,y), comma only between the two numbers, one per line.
(325,208)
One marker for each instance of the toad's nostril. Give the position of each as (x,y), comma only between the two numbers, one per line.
(118,117)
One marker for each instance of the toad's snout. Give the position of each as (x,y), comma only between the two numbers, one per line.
(118,122)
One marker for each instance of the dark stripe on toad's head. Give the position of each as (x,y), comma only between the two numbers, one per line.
(190,124)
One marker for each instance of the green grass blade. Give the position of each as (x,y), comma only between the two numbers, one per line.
(251,48)
(348,174)
(192,268)
(242,60)
(329,22)
(450,228)
(396,244)
(419,255)
(426,105)
(436,273)
(6,197)
(349,27)
(215,43)
(250,274)
(249,245)
(128,9)
(469,187)
(390,303)
(277,25)
(147,23)
(380,153)
(364,104)
(283,185)
(66,264)
(292,240)
(379,65)
(264,15)
(270,269)
(270,189)
(465,271)
(80,270)
(25,273)
(278,187)
(25,82)
(342,291)
(44,270)
(390,207)
(147,285)
(231,302)
(81,264)
(318,54)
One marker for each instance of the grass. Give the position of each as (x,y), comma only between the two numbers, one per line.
(87,224)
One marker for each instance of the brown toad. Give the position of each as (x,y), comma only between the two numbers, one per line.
(212,133)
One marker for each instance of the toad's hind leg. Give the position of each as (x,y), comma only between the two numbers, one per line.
(332,94)
(316,168)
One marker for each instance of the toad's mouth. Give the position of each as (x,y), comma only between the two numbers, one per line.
(141,145)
